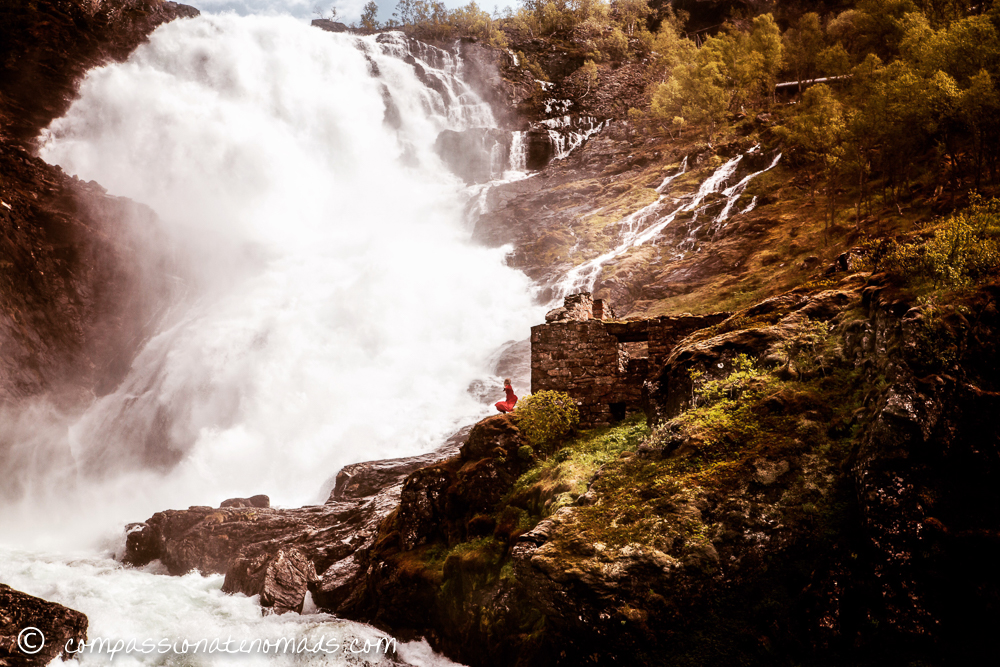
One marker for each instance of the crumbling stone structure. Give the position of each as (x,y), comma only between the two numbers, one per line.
(602,363)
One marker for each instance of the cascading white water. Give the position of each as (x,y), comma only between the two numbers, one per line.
(336,310)
(645,224)
(518,152)
(565,139)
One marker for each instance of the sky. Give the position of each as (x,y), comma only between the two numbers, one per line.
(347,10)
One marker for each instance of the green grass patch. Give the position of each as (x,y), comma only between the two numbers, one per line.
(560,480)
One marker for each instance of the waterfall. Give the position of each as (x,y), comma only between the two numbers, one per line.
(336,310)
(567,135)
(518,152)
(648,223)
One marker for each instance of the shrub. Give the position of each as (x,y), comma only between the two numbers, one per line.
(963,251)
(707,392)
(546,418)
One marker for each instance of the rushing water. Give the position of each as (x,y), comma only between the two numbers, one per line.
(648,223)
(335,310)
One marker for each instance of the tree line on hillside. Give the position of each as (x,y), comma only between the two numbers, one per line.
(910,82)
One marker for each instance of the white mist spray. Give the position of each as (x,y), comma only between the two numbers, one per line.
(337,311)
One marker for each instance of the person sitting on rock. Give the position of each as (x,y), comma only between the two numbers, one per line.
(507,405)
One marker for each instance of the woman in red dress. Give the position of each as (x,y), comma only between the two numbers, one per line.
(507,405)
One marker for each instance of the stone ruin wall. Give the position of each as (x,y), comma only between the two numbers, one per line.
(602,363)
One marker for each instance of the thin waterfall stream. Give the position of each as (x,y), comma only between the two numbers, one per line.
(646,224)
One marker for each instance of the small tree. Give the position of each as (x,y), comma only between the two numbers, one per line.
(369,16)
(818,128)
(591,74)
(330,15)
(632,14)
(803,44)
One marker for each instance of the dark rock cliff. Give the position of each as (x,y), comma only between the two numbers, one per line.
(83,275)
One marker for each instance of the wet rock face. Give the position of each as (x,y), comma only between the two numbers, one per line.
(361,480)
(437,502)
(539,149)
(46,47)
(508,89)
(281,579)
(476,155)
(88,276)
(87,272)
(276,553)
(59,626)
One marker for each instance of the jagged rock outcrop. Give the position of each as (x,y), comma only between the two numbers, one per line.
(280,578)
(751,332)
(450,502)
(275,553)
(55,629)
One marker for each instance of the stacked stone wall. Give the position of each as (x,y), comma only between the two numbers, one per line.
(591,359)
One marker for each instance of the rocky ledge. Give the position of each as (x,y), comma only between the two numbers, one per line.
(276,553)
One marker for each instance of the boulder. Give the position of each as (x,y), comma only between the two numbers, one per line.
(43,629)
(269,552)
(361,480)
(253,501)
(330,26)
(281,579)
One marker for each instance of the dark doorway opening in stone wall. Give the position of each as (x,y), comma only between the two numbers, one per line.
(618,410)
(637,349)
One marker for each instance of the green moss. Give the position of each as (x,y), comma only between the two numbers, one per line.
(558,481)
(748,415)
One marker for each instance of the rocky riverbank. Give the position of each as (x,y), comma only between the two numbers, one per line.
(805,489)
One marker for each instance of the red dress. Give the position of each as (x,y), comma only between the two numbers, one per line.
(508,405)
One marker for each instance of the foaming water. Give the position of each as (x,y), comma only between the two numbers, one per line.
(157,614)
(336,311)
